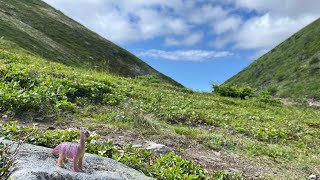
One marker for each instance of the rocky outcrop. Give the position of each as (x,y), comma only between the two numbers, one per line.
(35,162)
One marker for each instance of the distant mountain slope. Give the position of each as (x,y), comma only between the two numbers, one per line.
(39,28)
(293,67)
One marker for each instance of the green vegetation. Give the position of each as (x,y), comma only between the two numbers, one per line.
(6,160)
(168,166)
(291,69)
(233,91)
(8,155)
(256,128)
(55,71)
(46,32)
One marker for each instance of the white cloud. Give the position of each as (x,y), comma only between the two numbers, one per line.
(265,32)
(189,40)
(206,14)
(227,24)
(125,21)
(178,22)
(292,8)
(277,21)
(187,55)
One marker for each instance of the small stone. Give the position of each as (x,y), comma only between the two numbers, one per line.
(121,137)
(312,177)
(5,116)
(217,153)
(137,146)
(158,148)
(234,170)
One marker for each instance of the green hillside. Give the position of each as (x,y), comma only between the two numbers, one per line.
(258,138)
(56,76)
(292,68)
(46,32)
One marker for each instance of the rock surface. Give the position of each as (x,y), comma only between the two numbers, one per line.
(36,162)
(158,148)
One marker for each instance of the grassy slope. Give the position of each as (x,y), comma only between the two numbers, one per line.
(293,67)
(283,138)
(44,31)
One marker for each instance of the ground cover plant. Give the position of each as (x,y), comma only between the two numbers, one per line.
(259,128)
(170,166)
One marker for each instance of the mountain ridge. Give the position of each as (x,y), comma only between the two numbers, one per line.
(45,31)
(291,69)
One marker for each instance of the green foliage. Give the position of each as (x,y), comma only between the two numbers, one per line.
(275,152)
(8,156)
(258,127)
(314,60)
(169,166)
(233,91)
(25,90)
(245,92)
(224,175)
(6,160)
(217,142)
(265,97)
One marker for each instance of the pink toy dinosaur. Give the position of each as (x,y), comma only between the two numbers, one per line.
(73,151)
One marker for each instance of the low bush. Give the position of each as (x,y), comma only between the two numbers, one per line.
(233,91)
(25,91)
(266,97)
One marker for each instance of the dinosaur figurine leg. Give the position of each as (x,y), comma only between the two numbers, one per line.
(60,161)
(75,164)
(80,162)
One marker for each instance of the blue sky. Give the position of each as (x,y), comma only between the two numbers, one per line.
(196,42)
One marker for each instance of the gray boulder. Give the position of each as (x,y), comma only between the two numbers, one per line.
(38,163)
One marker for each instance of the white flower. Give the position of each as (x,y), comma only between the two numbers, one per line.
(93,134)
(102,152)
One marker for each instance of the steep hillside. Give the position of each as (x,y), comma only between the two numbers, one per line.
(292,68)
(229,137)
(44,31)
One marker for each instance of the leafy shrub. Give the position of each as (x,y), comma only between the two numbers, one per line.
(171,166)
(265,97)
(149,79)
(224,175)
(233,91)
(96,92)
(23,90)
(314,60)
(272,90)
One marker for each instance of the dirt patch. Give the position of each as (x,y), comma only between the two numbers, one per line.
(311,102)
